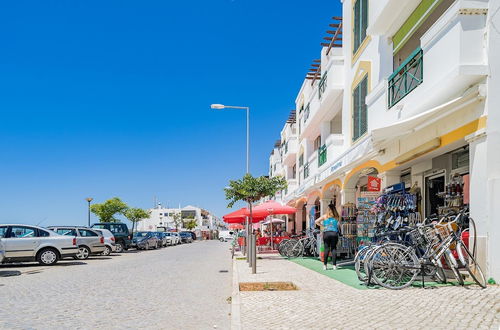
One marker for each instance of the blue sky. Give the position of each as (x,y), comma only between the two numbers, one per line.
(111,98)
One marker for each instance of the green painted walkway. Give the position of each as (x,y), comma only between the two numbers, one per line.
(347,274)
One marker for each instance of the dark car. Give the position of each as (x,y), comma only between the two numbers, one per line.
(162,239)
(186,237)
(123,238)
(145,240)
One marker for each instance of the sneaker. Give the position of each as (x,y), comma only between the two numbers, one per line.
(334,267)
(324,267)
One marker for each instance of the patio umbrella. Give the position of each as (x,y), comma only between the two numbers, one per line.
(272,208)
(236,226)
(273,220)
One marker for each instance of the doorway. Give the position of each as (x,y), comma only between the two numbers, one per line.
(304,217)
(434,185)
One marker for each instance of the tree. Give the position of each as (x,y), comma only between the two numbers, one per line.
(190,224)
(106,211)
(135,215)
(177,220)
(251,189)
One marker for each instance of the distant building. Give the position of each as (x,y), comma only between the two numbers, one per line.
(165,218)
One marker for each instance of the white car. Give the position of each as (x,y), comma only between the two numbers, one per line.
(225,235)
(109,241)
(2,251)
(33,243)
(174,237)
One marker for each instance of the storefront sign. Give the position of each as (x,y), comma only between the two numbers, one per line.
(374,183)
(395,188)
(336,166)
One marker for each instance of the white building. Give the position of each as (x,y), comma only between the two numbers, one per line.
(164,217)
(409,91)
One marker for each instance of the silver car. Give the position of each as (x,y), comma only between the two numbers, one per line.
(174,238)
(109,241)
(33,243)
(88,240)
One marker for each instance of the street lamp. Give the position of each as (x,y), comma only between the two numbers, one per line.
(89,199)
(221,107)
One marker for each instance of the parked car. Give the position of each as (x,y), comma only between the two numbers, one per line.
(123,238)
(145,240)
(176,238)
(89,241)
(186,237)
(173,237)
(225,235)
(33,243)
(2,251)
(193,235)
(162,238)
(109,241)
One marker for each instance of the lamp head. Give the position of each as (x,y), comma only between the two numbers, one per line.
(217,106)
(89,199)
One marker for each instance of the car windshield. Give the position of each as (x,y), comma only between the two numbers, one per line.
(141,234)
(99,226)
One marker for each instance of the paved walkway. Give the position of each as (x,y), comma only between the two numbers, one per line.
(324,303)
(177,287)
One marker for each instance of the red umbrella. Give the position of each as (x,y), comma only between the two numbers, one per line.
(271,208)
(240,216)
(236,226)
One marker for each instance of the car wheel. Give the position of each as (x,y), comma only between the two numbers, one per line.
(221,239)
(119,247)
(83,253)
(47,257)
(107,250)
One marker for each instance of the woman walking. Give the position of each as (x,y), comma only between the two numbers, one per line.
(330,222)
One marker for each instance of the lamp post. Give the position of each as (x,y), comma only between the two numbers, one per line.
(89,199)
(220,107)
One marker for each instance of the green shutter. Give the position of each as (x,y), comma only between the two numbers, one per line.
(360,22)
(357,19)
(360,115)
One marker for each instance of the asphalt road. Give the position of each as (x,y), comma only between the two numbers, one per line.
(181,287)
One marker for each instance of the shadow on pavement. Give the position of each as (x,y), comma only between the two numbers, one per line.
(100,258)
(8,273)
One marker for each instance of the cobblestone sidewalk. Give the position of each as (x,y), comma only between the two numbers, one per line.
(324,303)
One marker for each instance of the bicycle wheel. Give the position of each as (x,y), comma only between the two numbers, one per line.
(394,266)
(281,244)
(296,249)
(359,263)
(285,248)
(453,265)
(440,275)
(470,264)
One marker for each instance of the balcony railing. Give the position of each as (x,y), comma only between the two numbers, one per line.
(321,155)
(306,112)
(306,171)
(406,78)
(322,85)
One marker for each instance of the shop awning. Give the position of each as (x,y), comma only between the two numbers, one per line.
(423,119)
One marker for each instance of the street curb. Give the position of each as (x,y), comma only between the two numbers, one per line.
(235,300)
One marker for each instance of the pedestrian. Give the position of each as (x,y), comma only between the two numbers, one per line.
(330,223)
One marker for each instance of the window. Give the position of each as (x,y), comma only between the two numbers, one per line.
(3,231)
(301,160)
(87,233)
(294,171)
(360,23)
(22,232)
(66,232)
(117,229)
(359,116)
(317,143)
(460,159)
(43,233)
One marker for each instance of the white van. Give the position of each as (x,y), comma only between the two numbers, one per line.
(225,235)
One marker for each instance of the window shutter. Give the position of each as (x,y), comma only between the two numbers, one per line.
(364,19)
(357,17)
(363,111)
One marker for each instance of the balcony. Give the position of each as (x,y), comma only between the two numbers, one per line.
(324,100)
(290,151)
(453,54)
(406,78)
(386,16)
(322,152)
